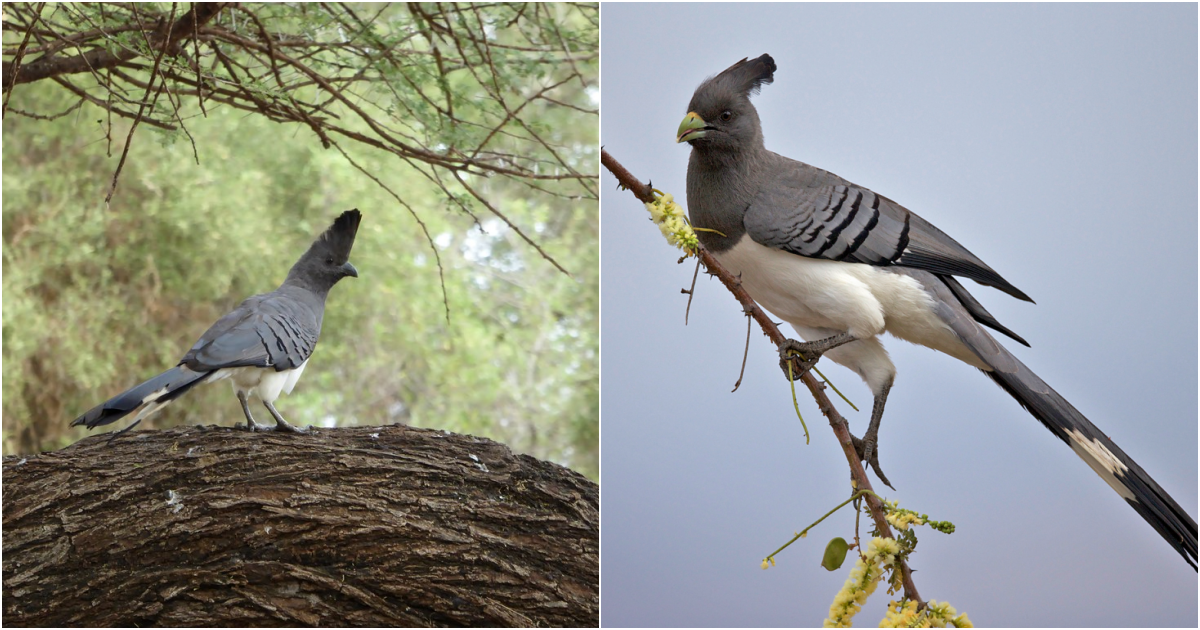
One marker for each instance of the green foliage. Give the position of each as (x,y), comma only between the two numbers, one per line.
(97,299)
(835,554)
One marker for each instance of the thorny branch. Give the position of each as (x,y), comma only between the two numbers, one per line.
(645,194)
(457,92)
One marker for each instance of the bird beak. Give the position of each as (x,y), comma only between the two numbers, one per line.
(692,127)
(349,270)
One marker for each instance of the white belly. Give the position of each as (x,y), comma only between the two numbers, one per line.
(265,383)
(825,297)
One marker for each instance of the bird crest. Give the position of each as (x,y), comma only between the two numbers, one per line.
(745,77)
(339,238)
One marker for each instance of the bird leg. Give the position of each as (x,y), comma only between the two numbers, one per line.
(250,423)
(280,423)
(804,354)
(866,447)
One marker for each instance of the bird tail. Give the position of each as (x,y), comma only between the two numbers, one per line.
(150,396)
(1102,454)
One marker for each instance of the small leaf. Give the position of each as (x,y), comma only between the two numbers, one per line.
(835,554)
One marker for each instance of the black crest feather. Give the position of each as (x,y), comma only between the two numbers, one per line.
(339,238)
(746,77)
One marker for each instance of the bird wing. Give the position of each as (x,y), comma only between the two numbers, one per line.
(841,221)
(263,331)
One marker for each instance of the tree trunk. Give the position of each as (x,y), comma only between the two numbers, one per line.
(364,526)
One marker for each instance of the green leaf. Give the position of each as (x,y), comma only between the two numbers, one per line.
(835,554)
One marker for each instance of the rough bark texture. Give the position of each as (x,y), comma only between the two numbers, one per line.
(366,526)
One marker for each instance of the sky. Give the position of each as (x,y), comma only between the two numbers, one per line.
(1058,143)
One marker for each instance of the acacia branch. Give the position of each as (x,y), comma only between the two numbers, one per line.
(451,106)
(50,65)
(141,109)
(20,55)
(841,429)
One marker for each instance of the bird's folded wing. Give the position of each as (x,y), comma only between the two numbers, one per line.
(852,224)
(262,332)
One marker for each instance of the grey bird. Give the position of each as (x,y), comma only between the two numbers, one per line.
(843,264)
(262,346)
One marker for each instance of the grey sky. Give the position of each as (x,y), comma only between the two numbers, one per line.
(1056,142)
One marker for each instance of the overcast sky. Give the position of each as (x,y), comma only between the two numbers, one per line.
(1056,142)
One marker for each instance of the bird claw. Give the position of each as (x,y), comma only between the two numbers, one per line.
(800,355)
(290,428)
(867,452)
(285,428)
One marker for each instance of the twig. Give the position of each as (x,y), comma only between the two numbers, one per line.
(142,108)
(496,211)
(853,497)
(746,354)
(16,64)
(839,425)
(428,237)
(692,293)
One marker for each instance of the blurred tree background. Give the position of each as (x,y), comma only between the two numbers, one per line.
(466,134)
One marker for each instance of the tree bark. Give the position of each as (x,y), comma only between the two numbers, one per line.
(364,526)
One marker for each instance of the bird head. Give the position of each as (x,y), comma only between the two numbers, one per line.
(720,115)
(328,259)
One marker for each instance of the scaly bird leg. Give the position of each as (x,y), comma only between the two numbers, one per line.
(867,446)
(280,423)
(250,423)
(803,355)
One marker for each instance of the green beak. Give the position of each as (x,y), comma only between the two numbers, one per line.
(692,127)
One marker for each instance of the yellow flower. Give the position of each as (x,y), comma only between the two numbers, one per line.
(670,219)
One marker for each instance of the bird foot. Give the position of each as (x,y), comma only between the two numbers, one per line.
(802,355)
(867,452)
(287,428)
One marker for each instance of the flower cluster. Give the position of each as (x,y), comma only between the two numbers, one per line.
(901,520)
(668,215)
(864,577)
(935,615)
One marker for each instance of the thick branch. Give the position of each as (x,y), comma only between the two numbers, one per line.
(52,65)
(645,194)
(365,526)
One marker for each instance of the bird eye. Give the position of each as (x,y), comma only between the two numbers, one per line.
(726,115)
(329,261)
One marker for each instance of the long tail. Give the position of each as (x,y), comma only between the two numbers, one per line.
(1105,457)
(149,396)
